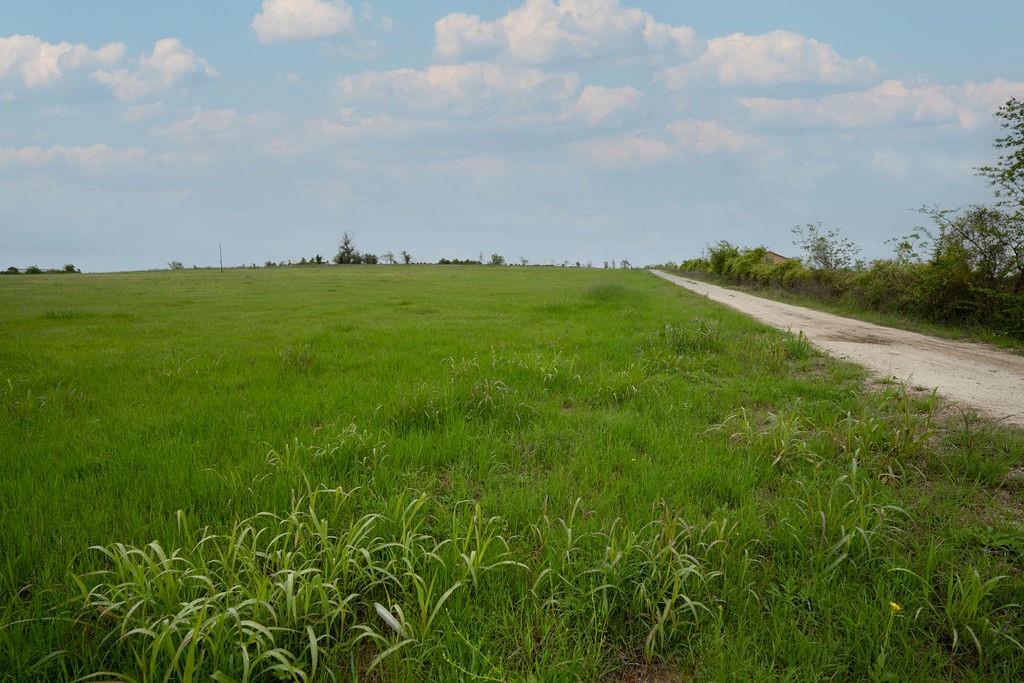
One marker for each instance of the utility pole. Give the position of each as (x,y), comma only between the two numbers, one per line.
(220,252)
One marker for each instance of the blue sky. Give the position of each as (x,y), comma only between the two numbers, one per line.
(583,130)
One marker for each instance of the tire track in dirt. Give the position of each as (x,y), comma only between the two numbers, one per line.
(980,377)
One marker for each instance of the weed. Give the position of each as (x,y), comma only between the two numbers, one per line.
(301,358)
(798,346)
(700,337)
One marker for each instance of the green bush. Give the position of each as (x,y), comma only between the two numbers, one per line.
(719,255)
(947,289)
(695,265)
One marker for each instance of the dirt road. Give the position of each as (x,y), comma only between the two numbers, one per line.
(982,378)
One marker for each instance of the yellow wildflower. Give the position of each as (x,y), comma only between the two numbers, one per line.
(895,607)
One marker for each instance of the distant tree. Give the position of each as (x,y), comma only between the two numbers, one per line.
(70,268)
(303,261)
(176,265)
(624,263)
(347,252)
(370,259)
(1007,174)
(523,261)
(497,260)
(388,258)
(606,265)
(590,264)
(827,250)
(406,257)
(318,259)
(578,264)
(13,270)
(33,270)
(480,258)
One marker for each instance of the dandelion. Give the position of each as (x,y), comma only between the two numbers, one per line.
(895,607)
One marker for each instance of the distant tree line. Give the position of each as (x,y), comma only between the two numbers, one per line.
(966,268)
(349,254)
(36,270)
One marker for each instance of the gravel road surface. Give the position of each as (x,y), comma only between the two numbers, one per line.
(979,377)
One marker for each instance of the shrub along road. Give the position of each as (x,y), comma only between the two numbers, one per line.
(985,379)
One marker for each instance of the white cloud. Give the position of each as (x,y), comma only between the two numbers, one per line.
(203,121)
(542,31)
(597,104)
(461,88)
(775,58)
(688,137)
(90,158)
(891,103)
(39,63)
(212,126)
(168,66)
(624,151)
(709,137)
(291,20)
(522,94)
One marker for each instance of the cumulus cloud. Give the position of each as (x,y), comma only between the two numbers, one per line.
(40,63)
(709,137)
(543,31)
(461,88)
(170,65)
(291,20)
(775,58)
(510,93)
(597,104)
(90,158)
(632,150)
(892,103)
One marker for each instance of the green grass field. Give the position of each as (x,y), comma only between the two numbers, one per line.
(538,473)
